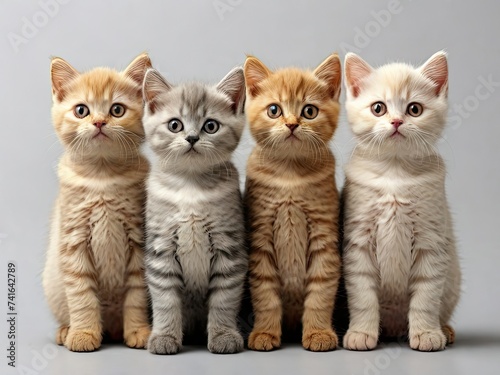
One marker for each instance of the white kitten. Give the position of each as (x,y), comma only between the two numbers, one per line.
(401,266)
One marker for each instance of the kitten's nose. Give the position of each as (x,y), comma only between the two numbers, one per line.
(397,123)
(292,127)
(99,124)
(192,139)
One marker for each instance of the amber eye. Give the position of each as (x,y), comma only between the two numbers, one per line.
(379,109)
(175,126)
(81,111)
(310,111)
(274,111)
(117,110)
(211,126)
(415,109)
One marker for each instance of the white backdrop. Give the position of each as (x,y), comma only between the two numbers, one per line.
(203,40)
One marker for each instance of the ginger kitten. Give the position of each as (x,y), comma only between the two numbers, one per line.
(401,265)
(292,202)
(93,277)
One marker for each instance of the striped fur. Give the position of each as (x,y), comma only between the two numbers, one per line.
(292,204)
(196,260)
(93,277)
(401,265)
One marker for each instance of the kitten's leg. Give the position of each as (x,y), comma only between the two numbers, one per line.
(323,274)
(164,278)
(136,328)
(85,328)
(361,278)
(227,277)
(428,276)
(264,289)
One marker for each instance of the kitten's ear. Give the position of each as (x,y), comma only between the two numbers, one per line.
(330,72)
(61,73)
(233,85)
(137,68)
(356,70)
(154,84)
(436,69)
(255,72)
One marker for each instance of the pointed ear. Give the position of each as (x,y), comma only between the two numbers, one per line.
(233,85)
(436,69)
(137,68)
(330,72)
(154,85)
(255,72)
(61,73)
(356,70)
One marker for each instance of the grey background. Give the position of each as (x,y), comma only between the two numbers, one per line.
(191,40)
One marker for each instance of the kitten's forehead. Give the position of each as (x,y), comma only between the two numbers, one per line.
(104,84)
(292,84)
(195,101)
(399,81)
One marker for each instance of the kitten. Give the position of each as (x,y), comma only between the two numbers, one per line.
(196,259)
(93,277)
(401,265)
(292,202)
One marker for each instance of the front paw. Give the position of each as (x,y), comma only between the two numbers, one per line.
(84,340)
(61,334)
(428,341)
(263,341)
(320,340)
(449,333)
(164,344)
(354,340)
(137,338)
(226,342)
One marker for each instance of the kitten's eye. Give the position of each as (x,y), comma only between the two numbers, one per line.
(379,109)
(310,111)
(117,110)
(274,111)
(414,109)
(81,111)
(175,126)
(211,126)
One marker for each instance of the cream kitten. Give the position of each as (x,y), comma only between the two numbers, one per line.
(94,274)
(401,265)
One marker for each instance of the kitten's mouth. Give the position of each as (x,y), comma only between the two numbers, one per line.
(397,134)
(100,134)
(293,137)
(191,151)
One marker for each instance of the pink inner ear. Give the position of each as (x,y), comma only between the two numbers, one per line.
(356,71)
(436,69)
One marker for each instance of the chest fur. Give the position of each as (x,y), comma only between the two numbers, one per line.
(394,239)
(194,252)
(290,232)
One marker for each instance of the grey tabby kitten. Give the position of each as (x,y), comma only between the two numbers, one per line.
(196,260)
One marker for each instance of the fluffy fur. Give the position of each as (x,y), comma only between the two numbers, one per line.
(292,203)
(196,260)
(401,266)
(93,277)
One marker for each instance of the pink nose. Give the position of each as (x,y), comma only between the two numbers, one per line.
(397,123)
(99,124)
(292,127)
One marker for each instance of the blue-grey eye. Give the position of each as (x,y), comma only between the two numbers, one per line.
(175,125)
(211,126)
(81,111)
(274,111)
(117,110)
(310,111)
